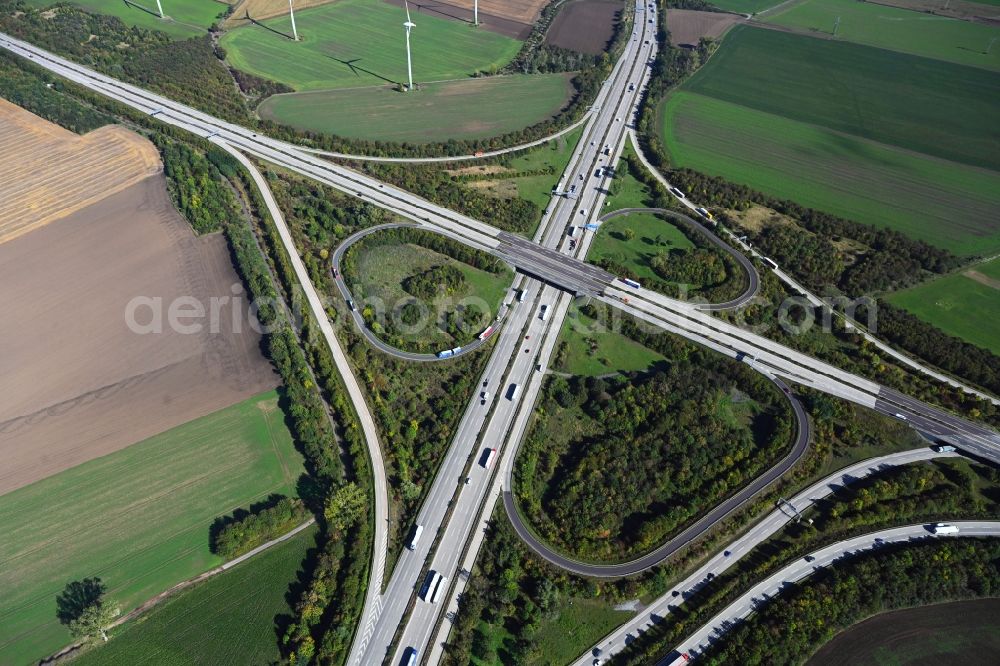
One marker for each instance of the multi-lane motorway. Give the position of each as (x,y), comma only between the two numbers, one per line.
(803,568)
(568,273)
(522,349)
(527,340)
(786,512)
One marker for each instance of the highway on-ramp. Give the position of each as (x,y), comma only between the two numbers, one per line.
(785,512)
(749,270)
(804,567)
(380,546)
(693,532)
(359,320)
(567,271)
(560,240)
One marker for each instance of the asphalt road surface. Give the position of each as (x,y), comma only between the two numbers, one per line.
(803,568)
(359,320)
(752,278)
(784,513)
(693,532)
(762,354)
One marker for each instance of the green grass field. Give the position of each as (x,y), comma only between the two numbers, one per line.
(745,6)
(464,109)
(626,190)
(357,43)
(139,518)
(959,304)
(227,620)
(944,203)
(381,270)
(579,623)
(653,235)
(593,348)
(552,155)
(928,106)
(938,37)
(185,18)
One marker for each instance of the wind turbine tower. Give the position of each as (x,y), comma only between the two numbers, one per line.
(409,62)
(475,12)
(159,8)
(291,13)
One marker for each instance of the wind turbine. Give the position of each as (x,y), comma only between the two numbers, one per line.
(409,62)
(159,7)
(475,12)
(291,13)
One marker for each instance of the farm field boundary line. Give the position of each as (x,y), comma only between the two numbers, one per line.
(454,158)
(796,287)
(183,585)
(948,204)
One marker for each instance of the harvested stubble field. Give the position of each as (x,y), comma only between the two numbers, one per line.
(264,9)
(584,25)
(513,18)
(77,382)
(78,171)
(522,11)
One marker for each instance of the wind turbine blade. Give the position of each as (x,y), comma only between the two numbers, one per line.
(407,5)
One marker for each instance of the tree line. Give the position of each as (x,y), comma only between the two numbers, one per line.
(789,629)
(925,491)
(431,182)
(911,333)
(245,530)
(648,453)
(336,456)
(890,259)
(193,71)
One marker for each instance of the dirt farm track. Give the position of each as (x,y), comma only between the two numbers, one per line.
(76,382)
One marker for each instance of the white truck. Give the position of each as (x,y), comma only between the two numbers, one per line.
(944,528)
(417,531)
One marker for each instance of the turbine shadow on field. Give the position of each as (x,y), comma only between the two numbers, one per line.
(257,23)
(134,5)
(355,69)
(438,9)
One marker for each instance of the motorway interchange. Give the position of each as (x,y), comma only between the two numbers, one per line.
(396,623)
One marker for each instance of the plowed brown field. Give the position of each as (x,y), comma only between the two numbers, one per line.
(76,172)
(687,26)
(585,25)
(76,382)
